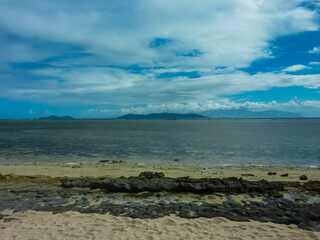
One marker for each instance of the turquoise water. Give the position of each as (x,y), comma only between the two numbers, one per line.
(201,142)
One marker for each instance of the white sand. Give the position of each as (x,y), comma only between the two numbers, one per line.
(73,225)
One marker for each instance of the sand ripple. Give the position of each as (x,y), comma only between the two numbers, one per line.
(73,225)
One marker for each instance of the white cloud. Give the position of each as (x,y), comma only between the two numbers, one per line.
(295,68)
(87,48)
(315,50)
(228,33)
(314,63)
(307,108)
(119,87)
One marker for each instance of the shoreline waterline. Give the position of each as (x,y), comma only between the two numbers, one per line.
(282,173)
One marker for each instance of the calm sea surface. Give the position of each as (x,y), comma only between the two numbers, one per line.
(201,142)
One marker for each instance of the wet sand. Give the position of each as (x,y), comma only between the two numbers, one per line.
(118,170)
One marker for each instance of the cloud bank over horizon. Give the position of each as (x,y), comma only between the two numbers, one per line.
(105,58)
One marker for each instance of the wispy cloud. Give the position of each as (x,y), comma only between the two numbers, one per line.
(119,87)
(295,68)
(315,50)
(314,63)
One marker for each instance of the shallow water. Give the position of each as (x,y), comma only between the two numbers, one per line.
(201,142)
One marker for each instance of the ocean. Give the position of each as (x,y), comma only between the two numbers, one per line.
(221,142)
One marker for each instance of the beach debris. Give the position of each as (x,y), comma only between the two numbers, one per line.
(303,177)
(284,175)
(272,173)
(247,175)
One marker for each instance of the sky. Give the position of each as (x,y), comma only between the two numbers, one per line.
(102,59)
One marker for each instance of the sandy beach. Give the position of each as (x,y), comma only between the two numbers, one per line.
(30,224)
(117,170)
(72,225)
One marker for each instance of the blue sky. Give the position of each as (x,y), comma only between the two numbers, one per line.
(103,59)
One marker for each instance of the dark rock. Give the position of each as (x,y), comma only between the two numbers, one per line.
(118,161)
(276,195)
(104,161)
(303,177)
(82,203)
(150,175)
(6,220)
(273,208)
(78,190)
(156,182)
(272,173)
(247,175)
(284,175)
(232,204)
(301,198)
(306,216)
(253,194)
(312,186)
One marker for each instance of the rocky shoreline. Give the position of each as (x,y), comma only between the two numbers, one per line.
(157,182)
(152,195)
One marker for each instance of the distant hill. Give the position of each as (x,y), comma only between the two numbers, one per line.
(162,116)
(245,113)
(52,117)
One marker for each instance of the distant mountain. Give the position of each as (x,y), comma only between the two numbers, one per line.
(52,117)
(162,116)
(245,113)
